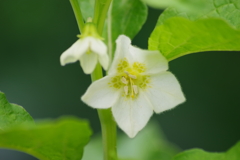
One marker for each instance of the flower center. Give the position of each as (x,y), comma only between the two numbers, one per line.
(130,78)
(129,85)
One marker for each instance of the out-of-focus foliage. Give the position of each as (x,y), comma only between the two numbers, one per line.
(199,154)
(149,144)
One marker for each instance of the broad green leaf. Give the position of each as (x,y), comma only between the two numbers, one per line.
(179,36)
(12,114)
(223,9)
(179,33)
(198,154)
(149,144)
(62,139)
(126,17)
(162,3)
(185,5)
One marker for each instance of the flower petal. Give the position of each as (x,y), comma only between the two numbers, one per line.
(164,92)
(88,62)
(97,46)
(104,61)
(122,51)
(73,53)
(100,95)
(132,115)
(155,62)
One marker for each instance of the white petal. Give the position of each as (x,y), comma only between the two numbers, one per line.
(104,61)
(132,115)
(122,51)
(165,92)
(155,62)
(97,46)
(88,62)
(73,53)
(100,95)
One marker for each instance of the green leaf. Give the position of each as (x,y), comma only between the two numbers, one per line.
(217,28)
(127,17)
(149,144)
(62,139)
(12,114)
(198,154)
(179,36)
(223,9)
(186,5)
(87,8)
(162,3)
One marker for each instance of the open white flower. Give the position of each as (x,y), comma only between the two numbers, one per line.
(136,85)
(88,50)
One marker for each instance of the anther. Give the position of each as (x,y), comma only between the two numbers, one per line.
(131,76)
(123,79)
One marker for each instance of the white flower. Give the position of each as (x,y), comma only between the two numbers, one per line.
(136,85)
(88,50)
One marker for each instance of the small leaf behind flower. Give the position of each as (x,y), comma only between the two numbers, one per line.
(127,17)
(87,8)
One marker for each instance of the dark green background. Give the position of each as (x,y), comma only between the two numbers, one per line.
(33,34)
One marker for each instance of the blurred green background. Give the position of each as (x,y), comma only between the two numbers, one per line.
(33,34)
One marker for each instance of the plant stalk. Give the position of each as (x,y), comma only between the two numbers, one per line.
(78,14)
(108,124)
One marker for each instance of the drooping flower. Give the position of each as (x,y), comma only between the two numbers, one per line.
(137,84)
(88,49)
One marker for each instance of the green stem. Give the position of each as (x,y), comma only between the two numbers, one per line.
(78,14)
(96,11)
(109,134)
(108,125)
(103,15)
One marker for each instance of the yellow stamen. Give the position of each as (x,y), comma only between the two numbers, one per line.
(125,90)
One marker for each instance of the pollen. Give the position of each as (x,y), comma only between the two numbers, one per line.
(140,67)
(130,78)
(122,65)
